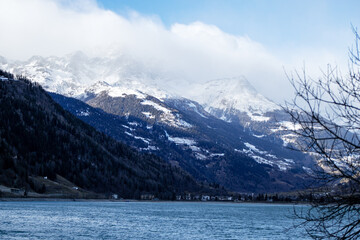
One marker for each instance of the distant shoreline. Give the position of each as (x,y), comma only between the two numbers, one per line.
(134,200)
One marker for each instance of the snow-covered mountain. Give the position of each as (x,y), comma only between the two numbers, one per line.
(235,100)
(73,74)
(231,95)
(77,75)
(208,148)
(225,133)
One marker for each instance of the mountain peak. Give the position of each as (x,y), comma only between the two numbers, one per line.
(230,94)
(234,85)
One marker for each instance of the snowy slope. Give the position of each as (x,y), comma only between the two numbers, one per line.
(210,149)
(230,95)
(76,73)
(235,100)
(114,80)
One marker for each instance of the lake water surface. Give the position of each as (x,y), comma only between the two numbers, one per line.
(146,220)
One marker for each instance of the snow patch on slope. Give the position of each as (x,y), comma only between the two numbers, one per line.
(167,115)
(156,106)
(182,141)
(83,113)
(148,115)
(113,91)
(264,157)
(286,126)
(194,107)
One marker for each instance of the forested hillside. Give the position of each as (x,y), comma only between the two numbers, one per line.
(39,138)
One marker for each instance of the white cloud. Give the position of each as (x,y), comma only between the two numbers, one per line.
(195,52)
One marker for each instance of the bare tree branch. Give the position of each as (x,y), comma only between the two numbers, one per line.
(326,118)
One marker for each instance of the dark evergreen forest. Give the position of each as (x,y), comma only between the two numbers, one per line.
(39,138)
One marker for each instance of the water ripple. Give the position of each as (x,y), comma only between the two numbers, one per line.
(145,220)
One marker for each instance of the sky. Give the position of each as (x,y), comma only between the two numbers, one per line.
(193,41)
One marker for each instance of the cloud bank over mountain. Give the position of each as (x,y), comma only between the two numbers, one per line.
(182,53)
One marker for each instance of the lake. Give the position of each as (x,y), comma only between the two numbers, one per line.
(146,220)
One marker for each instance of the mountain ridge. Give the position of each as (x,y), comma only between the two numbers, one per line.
(39,138)
(234,125)
(211,150)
